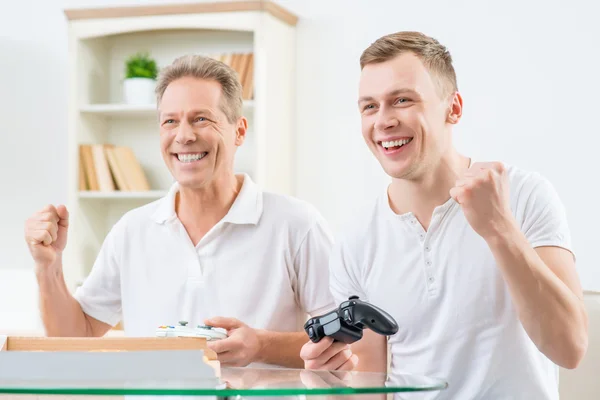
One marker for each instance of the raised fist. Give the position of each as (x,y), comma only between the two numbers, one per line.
(46,234)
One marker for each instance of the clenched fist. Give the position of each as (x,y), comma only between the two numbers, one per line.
(46,234)
(483,194)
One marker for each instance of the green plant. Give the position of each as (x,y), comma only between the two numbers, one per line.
(141,65)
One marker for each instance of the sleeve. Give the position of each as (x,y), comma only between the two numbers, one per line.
(344,274)
(544,217)
(100,294)
(312,272)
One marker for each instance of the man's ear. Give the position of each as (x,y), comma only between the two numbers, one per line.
(240,131)
(456,107)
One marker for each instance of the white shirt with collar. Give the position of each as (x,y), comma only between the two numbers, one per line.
(455,314)
(265,263)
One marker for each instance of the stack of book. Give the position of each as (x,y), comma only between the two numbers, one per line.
(243,64)
(108,168)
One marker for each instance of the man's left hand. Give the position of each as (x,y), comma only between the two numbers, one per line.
(240,348)
(483,193)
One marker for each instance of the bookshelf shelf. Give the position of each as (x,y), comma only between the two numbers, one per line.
(118,195)
(257,39)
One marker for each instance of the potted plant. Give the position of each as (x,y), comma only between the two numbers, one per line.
(140,79)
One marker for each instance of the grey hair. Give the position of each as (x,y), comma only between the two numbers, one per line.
(202,67)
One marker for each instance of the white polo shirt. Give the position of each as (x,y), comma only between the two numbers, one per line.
(265,263)
(454,311)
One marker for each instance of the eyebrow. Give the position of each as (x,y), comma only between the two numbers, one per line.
(389,94)
(201,111)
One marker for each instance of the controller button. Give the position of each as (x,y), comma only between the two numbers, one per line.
(347,316)
(353,298)
(183,323)
(311,332)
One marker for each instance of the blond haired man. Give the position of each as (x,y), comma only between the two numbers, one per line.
(473,259)
(217,250)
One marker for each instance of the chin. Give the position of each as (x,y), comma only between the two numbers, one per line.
(192,182)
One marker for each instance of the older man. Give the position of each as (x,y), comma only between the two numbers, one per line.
(215,250)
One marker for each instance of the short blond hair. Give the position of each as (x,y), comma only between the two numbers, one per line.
(433,55)
(201,67)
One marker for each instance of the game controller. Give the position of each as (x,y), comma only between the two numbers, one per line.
(346,323)
(182,330)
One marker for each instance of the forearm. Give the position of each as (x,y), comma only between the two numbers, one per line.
(281,348)
(553,316)
(61,313)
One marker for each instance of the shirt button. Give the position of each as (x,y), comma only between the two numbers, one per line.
(427,248)
(413,221)
(431,279)
(428,263)
(421,236)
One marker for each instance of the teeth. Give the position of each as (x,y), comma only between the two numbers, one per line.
(190,157)
(395,143)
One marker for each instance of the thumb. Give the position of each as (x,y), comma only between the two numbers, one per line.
(225,323)
(63,215)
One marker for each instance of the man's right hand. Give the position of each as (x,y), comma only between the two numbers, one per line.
(328,355)
(46,234)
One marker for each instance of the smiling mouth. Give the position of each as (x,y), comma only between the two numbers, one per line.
(395,144)
(190,157)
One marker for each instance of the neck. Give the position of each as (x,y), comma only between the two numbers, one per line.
(199,209)
(422,194)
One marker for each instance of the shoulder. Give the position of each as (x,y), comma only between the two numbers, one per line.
(364,225)
(290,211)
(529,186)
(136,219)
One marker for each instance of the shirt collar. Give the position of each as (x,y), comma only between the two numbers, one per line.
(246,208)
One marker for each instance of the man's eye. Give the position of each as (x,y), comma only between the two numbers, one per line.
(200,119)
(401,100)
(369,107)
(169,121)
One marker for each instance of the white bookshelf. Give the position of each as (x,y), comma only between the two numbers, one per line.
(100,40)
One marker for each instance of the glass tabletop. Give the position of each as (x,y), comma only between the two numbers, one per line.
(239,382)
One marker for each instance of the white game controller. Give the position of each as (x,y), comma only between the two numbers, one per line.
(182,330)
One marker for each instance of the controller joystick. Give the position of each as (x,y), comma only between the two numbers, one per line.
(347,322)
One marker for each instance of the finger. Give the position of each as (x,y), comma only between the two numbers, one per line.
(455,193)
(223,345)
(328,354)
(312,380)
(49,227)
(63,215)
(227,358)
(338,360)
(463,182)
(312,350)
(49,209)
(349,365)
(223,322)
(49,217)
(40,237)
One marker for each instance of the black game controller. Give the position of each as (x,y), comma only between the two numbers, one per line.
(346,323)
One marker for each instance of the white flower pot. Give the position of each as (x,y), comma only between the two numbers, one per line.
(139,91)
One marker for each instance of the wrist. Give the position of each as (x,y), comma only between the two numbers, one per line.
(502,231)
(52,270)
(262,339)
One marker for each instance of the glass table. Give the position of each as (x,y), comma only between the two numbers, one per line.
(237,383)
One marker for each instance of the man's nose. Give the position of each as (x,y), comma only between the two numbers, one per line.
(185,134)
(386,119)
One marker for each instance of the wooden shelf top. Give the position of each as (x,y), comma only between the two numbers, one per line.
(183,8)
